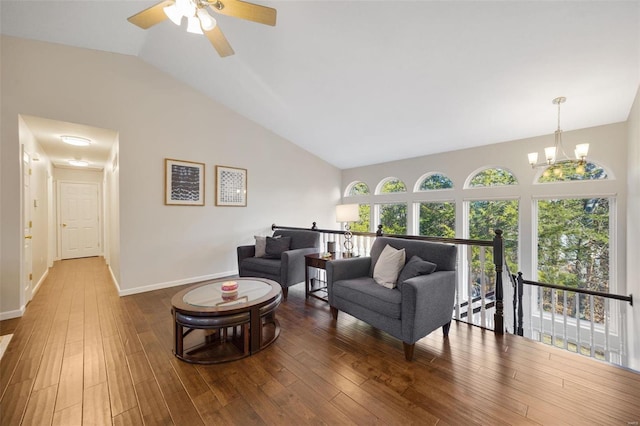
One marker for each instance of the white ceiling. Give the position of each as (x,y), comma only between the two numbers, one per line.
(48,133)
(363,82)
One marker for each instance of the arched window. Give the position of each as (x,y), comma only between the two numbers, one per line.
(391,185)
(357,188)
(433,181)
(492,177)
(567,172)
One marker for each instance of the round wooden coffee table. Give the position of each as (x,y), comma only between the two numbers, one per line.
(212,326)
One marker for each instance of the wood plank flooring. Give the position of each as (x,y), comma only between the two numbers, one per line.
(83,355)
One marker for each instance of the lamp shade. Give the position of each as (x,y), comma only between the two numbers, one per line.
(347,213)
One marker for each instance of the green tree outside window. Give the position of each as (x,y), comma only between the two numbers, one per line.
(363,225)
(435,181)
(359,188)
(393,218)
(438,219)
(493,177)
(573,251)
(393,185)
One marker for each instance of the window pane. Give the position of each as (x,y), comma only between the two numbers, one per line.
(393,218)
(359,188)
(569,171)
(484,218)
(493,177)
(573,250)
(438,220)
(436,181)
(363,224)
(393,185)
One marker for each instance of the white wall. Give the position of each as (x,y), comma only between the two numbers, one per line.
(633,229)
(40,195)
(112,212)
(156,118)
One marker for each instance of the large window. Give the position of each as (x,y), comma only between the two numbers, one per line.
(393,218)
(437,219)
(363,225)
(573,250)
(484,218)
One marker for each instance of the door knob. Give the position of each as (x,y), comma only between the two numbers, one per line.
(64,225)
(28,237)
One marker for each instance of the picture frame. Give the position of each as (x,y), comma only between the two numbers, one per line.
(183,183)
(231,186)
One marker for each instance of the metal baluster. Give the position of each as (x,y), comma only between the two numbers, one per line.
(622,321)
(554,301)
(578,325)
(607,354)
(564,314)
(541,309)
(483,283)
(469,285)
(592,338)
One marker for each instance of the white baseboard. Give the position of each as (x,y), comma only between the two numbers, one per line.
(40,281)
(11,314)
(115,282)
(175,283)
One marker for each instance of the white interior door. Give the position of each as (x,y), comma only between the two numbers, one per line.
(27,273)
(79,220)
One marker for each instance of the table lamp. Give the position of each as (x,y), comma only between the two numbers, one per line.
(346,213)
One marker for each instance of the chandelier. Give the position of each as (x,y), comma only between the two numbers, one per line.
(556,156)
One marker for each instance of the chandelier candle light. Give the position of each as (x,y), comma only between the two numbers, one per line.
(346,213)
(551,153)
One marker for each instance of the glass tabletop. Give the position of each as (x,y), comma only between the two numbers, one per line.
(211,295)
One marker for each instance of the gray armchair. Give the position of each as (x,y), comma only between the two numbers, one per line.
(417,307)
(289,268)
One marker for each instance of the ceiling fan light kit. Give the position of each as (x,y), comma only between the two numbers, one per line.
(199,21)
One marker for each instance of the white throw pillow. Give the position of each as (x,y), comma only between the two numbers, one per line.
(389,265)
(261,246)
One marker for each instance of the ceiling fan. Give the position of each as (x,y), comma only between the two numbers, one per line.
(199,21)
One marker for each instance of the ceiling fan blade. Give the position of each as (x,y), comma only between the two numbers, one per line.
(219,42)
(249,11)
(150,16)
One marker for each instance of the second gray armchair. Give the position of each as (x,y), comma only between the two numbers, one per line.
(284,263)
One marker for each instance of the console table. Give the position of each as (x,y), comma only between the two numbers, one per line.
(212,326)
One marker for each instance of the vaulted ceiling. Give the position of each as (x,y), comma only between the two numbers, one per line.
(363,82)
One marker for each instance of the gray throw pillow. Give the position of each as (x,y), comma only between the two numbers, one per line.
(415,267)
(276,246)
(261,246)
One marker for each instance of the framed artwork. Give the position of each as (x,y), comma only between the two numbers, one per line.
(231,186)
(183,183)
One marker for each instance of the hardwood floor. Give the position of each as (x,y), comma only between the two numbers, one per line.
(82,355)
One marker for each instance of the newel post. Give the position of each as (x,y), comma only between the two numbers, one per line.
(498,258)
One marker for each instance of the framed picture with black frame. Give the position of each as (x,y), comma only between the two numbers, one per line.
(183,183)
(231,186)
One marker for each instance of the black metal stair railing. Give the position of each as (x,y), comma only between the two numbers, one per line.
(596,332)
(492,300)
